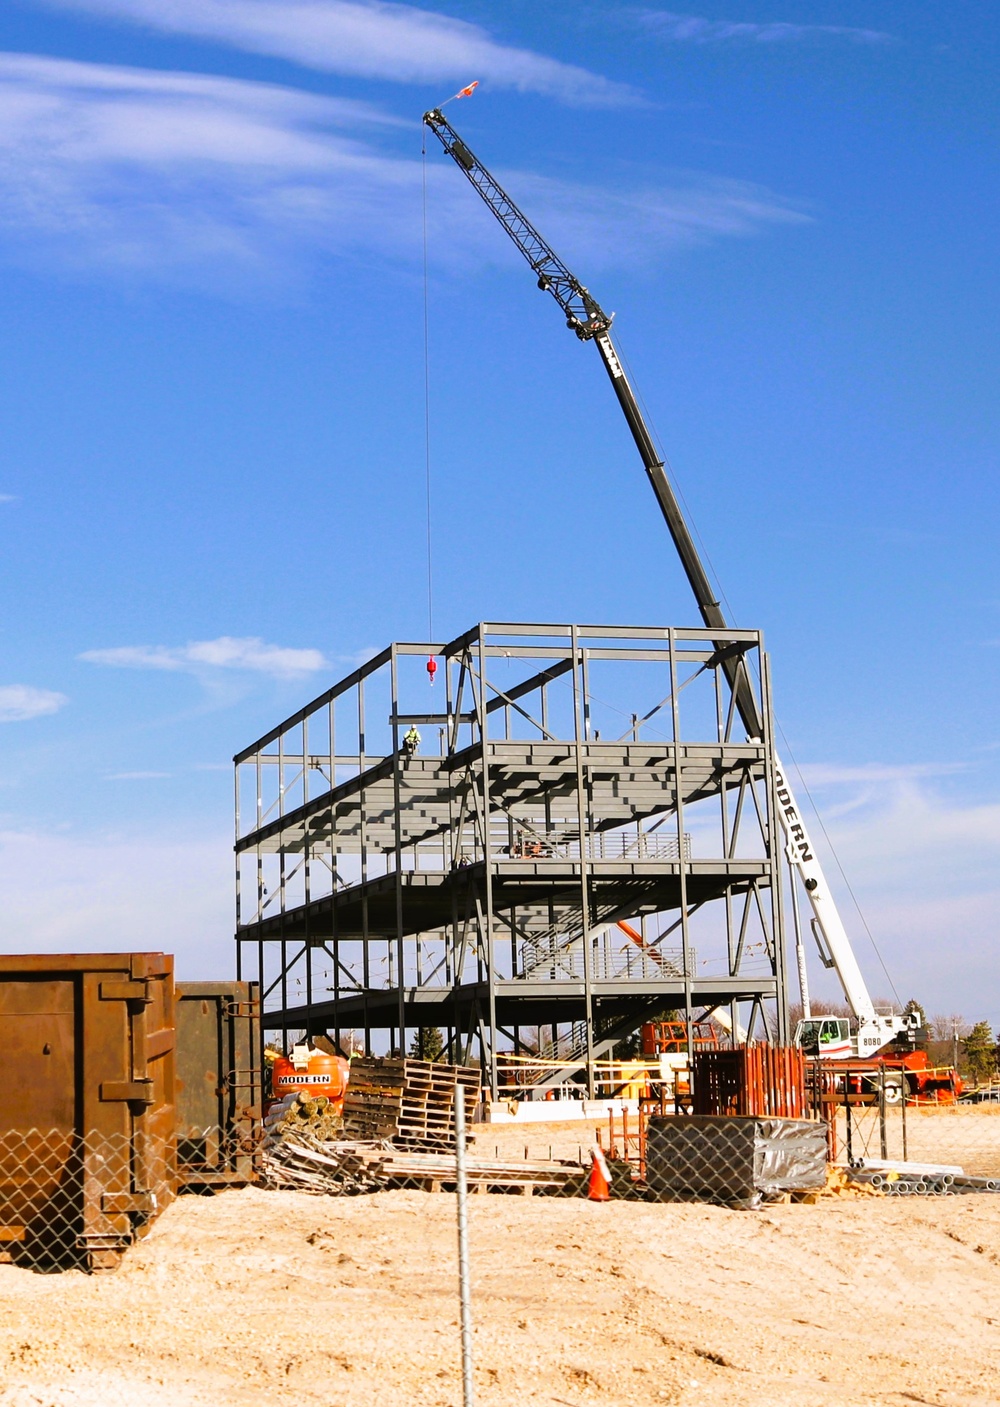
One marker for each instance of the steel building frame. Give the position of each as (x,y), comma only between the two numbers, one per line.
(476,883)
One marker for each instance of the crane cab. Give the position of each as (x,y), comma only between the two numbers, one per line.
(829,1037)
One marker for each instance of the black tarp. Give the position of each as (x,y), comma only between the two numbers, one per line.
(733,1160)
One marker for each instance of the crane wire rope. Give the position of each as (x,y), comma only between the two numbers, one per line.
(833,851)
(731,616)
(427,391)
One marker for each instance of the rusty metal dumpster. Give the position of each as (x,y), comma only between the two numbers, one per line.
(87,1116)
(218,1082)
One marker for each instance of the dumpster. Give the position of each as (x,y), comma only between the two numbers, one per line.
(218,1082)
(87,1116)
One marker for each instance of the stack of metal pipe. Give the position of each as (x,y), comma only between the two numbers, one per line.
(921,1180)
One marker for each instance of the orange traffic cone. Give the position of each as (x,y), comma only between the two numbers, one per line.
(598,1188)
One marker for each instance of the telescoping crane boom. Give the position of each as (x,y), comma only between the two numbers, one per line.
(588,320)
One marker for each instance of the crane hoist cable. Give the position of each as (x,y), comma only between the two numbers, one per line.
(465,92)
(427,393)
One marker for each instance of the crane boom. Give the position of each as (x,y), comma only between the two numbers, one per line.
(588,320)
(586,317)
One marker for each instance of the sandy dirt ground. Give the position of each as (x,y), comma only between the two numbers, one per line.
(255,1297)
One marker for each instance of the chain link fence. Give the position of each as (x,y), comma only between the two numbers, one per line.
(78,1201)
(943,1149)
(72,1201)
(727,1160)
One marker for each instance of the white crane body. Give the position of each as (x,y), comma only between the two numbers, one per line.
(873,1029)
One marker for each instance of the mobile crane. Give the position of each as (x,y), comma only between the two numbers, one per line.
(825,1036)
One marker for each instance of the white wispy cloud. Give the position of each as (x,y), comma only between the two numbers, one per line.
(136,776)
(164,171)
(366,39)
(227,652)
(694,29)
(843,790)
(642,226)
(925,866)
(19,702)
(825,774)
(8,497)
(212,180)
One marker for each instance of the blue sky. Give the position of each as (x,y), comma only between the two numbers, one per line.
(211,407)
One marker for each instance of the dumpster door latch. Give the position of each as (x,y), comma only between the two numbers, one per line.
(141,1091)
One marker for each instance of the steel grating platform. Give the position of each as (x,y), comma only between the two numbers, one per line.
(567,779)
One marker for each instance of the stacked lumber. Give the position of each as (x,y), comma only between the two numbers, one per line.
(435,1171)
(302,1112)
(302,1162)
(411,1102)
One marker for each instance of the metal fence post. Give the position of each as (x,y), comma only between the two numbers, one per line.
(847,1118)
(462,1199)
(883,1133)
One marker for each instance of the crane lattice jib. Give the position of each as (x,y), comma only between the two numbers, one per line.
(584,315)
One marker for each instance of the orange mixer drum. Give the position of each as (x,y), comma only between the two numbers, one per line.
(323,1074)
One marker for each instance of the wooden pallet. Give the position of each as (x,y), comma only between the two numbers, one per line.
(409,1101)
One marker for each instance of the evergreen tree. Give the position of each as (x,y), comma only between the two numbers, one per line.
(913,1005)
(427,1044)
(924,1032)
(980,1052)
(630,1048)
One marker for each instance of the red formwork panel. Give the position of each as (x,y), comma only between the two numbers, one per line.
(766,1081)
(87,1103)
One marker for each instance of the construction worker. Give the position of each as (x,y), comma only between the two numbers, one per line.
(411,740)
